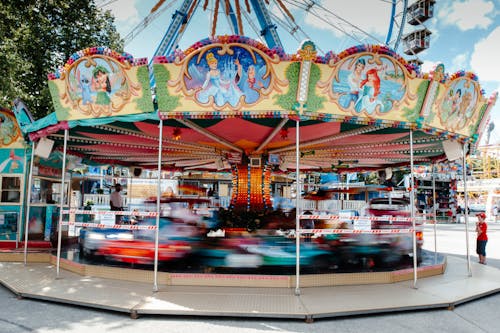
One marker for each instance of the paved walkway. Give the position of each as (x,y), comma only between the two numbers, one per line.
(39,281)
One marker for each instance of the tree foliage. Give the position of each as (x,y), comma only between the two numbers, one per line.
(38,36)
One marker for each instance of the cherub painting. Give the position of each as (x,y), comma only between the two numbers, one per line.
(367,84)
(250,79)
(9,132)
(354,81)
(227,79)
(369,92)
(221,86)
(457,106)
(99,86)
(13,163)
(438,73)
(85,86)
(464,109)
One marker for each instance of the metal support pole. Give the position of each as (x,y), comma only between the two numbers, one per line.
(61,203)
(28,203)
(466,208)
(434,210)
(25,190)
(268,28)
(412,205)
(158,199)
(297,210)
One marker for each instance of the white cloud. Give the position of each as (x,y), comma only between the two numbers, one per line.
(429,66)
(459,62)
(125,12)
(484,59)
(276,10)
(466,15)
(371,16)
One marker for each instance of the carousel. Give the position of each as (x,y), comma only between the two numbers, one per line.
(232,104)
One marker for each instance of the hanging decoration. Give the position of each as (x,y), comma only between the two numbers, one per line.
(176,134)
(284,133)
(251,187)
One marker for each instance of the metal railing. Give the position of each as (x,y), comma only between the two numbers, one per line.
(101,199)
(224,201)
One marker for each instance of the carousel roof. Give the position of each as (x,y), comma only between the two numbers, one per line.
(230,99)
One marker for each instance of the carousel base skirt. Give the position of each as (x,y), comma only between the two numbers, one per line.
(430,266)
(232,296)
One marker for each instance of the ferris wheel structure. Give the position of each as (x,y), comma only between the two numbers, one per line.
(271,20)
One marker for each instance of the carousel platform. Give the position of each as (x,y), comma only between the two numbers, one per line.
(446,290)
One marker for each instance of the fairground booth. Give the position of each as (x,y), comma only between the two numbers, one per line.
(40,221)
(12,176)
(262,120)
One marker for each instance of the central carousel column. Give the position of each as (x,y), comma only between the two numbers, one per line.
(252,183)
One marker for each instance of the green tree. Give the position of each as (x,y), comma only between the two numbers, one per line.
(39,36)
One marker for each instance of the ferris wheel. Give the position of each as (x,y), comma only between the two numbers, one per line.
(277,21)
(332,15)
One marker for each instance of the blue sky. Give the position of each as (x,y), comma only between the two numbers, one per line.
(465,33)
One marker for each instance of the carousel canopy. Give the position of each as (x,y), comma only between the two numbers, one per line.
(231,100)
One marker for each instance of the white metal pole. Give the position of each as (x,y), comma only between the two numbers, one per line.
(466,208)
(412,205)
(434,210)
(28,203)
(61,203)
(158,199)
(297,210)
(23,195)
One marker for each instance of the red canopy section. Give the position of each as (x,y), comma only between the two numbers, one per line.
(215,144)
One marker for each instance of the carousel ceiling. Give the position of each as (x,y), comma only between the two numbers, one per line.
(216,144)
